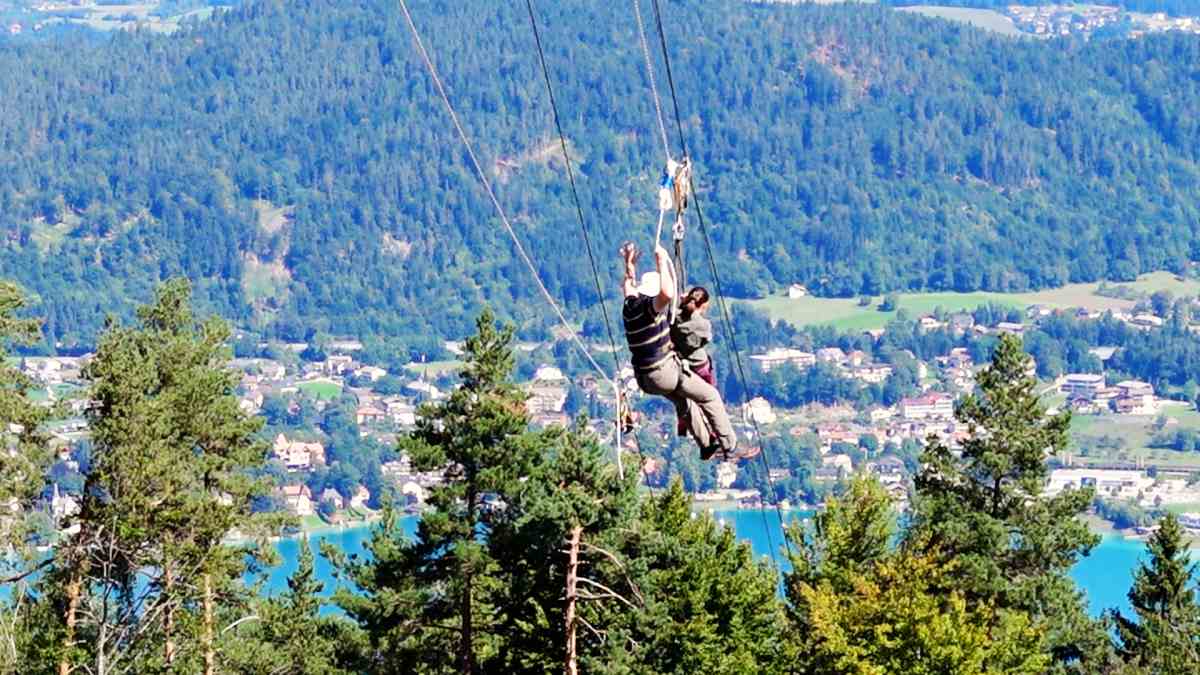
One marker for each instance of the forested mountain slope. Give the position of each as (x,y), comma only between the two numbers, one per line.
(291,157)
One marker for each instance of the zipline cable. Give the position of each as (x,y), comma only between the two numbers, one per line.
(587,240)
(662,39)
(487,186)
(662,127)
(726,317)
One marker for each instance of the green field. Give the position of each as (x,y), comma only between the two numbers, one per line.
(114,17)
(323,389)
(435,368)
(980,18)
(846,314)
(1137,432)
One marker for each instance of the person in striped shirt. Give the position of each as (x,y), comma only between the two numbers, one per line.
(656,366)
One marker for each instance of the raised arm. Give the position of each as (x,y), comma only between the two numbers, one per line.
(666,277)
(629,254)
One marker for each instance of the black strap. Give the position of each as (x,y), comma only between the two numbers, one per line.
(680,269)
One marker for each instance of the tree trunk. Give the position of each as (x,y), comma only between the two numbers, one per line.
(168,616)
(572,579)
(210,648)
(74,591)
(468,639)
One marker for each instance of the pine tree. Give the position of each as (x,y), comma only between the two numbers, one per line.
(426,605)
(568,508)
(287,635)
(1164,634)
(24,458)
(984,508)
(141,582)
(706,605)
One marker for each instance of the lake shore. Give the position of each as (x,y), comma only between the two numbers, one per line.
(1096,524)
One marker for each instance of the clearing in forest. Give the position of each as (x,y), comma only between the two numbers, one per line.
(986,19)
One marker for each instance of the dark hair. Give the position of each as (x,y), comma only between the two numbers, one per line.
(693,300)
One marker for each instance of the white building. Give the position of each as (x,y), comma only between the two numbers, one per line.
(842,463)
(1081,385)
(933,405)
(797,291)
(831,355)
(337,364)
(298,498)
(297,455)
(549,374)
(402,412)
(1119,483)
(333,497)
(1135,388)
(372,373)
(759,410)
(775,358)
(1146,321)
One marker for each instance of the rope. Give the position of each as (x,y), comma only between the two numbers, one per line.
(586,237)
(487,186)
(587,240)
(662,39)
(662,127)
(727,321)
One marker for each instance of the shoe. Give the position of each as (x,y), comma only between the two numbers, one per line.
(707,453)
(740,454)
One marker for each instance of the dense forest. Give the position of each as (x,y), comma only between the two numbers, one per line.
(291,159)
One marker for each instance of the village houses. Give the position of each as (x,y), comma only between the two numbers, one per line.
(297,455)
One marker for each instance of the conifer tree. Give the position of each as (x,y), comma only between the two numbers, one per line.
(140,583)
(1164,635)
(706,605)
(24,458)
(426,605)
(984,507)
(567,509)
(287,635)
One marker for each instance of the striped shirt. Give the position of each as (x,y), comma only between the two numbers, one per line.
(647,332)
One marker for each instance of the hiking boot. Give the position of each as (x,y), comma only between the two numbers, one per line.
(740,454)
(707,453)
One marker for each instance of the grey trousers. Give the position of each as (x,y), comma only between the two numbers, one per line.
(709,422)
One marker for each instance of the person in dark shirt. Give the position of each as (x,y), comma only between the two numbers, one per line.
(656,366)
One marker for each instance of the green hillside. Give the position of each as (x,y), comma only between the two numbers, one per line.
(290,158)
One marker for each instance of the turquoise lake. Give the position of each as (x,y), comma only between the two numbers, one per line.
(1105,575)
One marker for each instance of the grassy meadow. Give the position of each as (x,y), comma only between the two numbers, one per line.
(847,314)
(322,389)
